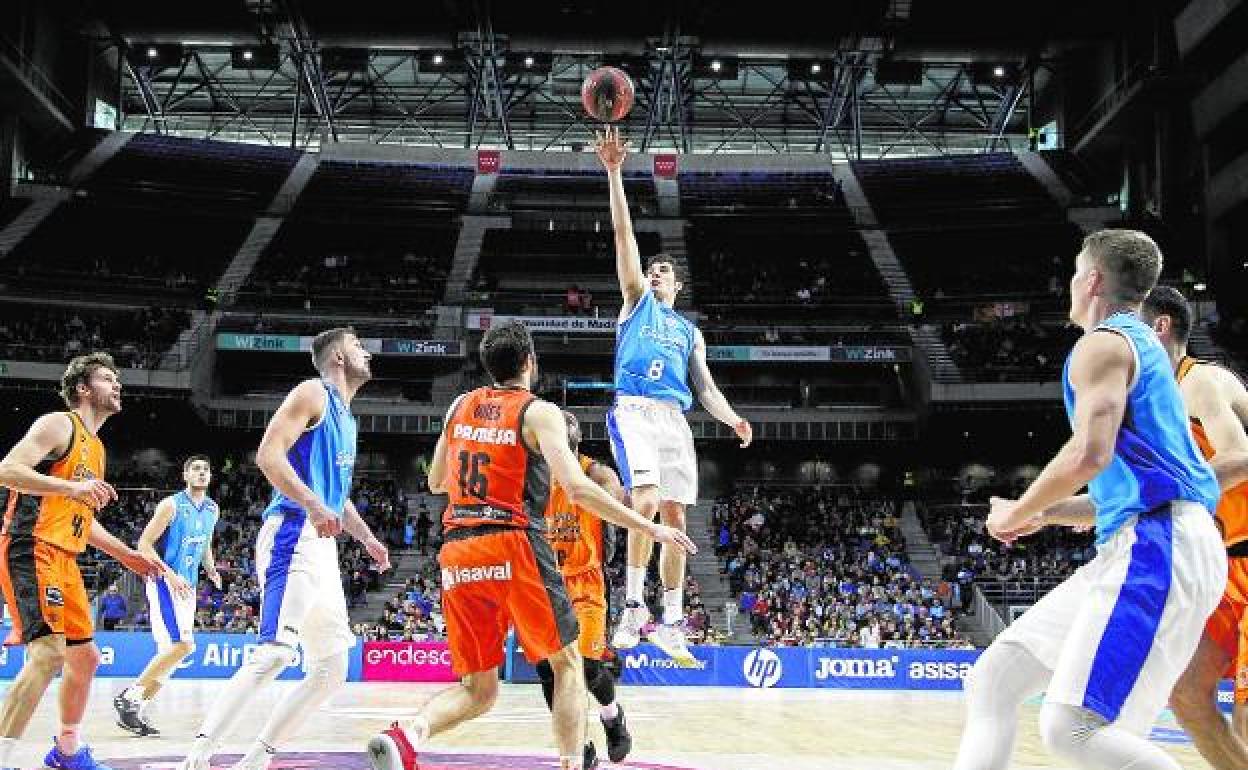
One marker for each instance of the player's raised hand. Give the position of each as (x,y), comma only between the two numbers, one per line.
(142,565)
(670,535)
(611,149)
(379,553)
(744,431)
(96,493)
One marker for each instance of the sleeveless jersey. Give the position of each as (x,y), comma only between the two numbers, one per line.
(183,543)
(60,521)
(1156,460)
(652,349)
(1232,510)
(575,534)
(323,458)
(495,479)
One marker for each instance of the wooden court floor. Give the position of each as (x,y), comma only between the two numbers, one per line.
(678,728)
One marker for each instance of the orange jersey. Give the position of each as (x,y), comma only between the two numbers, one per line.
(575,534)
(1232,510)
(54,519)
(496,479)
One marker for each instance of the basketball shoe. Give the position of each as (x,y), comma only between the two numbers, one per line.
(670,638)
(393,749)
(628,632)
(619,741)
(81,760)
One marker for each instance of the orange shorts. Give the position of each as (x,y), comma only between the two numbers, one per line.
(588,591)
(1228,625)
(44,591)
(495,578)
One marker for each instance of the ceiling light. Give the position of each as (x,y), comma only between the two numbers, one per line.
(247,55)
(152,53)
(716,66)
(437,58)
(528,61)
(998,71)
(815,68)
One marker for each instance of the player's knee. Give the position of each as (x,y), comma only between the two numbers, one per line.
(483,690)
(329,673)
(270,659)
(45,655)
(1065,730)
(83,659)
(673,516)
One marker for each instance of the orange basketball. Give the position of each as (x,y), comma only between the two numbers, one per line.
(607,94)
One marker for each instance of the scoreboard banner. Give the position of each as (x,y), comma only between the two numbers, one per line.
(864,354)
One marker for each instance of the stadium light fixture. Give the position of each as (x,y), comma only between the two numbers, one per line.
(998,71)
(155,55)
(1199,287)
(152,53)
(816,68)
(528,61)
(255,57)
(437,58)
(248,55)
(716,68)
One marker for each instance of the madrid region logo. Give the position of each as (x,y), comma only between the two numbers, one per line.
(359,761)
(762,668)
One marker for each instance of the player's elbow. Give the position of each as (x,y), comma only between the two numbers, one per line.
(1092,457)
(579,491)
(8,471)
(437,487)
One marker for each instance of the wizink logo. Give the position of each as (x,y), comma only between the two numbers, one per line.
(643,660)
(856,668)
(453,576)
(762,668)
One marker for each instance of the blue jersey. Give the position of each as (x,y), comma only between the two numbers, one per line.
(1155,460)
(323,458)
(652,349)
(188,535)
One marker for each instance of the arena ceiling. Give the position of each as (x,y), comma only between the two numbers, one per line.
(712,77)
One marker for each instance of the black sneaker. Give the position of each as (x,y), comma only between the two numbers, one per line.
(128,714)
(591,757)
(619,742)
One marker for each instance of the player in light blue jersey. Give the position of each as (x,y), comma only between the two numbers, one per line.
(1108,644)
(180,534)
(660,365)
(308,455)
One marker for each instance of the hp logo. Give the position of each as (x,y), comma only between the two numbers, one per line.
(762,668)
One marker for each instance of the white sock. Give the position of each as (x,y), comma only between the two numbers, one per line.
(673,605)
(259,751)
(7,746)
(609,712)
(635,584)
(418,731)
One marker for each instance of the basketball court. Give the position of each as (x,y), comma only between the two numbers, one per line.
(674,728)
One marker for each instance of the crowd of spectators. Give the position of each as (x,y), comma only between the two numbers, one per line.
(828,567)
(135,338)
(1013,349)
(390,283)
(242,494)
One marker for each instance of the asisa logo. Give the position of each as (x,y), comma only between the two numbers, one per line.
(643,660)
(856,668)
(762,668)
(940,671)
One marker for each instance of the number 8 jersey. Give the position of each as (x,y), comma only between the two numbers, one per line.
(652,349)
(495,479)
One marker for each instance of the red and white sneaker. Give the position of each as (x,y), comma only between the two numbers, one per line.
(392,750)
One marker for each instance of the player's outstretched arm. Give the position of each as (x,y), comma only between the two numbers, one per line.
(139,563)
(611,151)
(1100,370)
(1210,392)
(711,396)
(302,408)
(545,427)
(48,437)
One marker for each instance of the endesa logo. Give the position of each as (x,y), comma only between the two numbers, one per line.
(644,660)
(407,656)
(855,668)
(946,671)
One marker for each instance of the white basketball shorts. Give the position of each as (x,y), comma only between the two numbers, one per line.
(173,618)
(302,602)
(653,446)
(1118,633)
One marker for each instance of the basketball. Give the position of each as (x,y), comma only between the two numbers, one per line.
(607,94)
